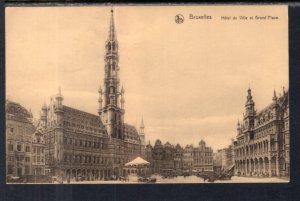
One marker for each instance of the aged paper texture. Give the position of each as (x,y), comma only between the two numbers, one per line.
(147,94)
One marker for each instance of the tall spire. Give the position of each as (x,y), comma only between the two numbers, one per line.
(109,96)
(112,31)
(111,83)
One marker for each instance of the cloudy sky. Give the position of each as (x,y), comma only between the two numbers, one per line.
(188,81)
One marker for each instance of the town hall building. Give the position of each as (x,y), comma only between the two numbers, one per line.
(89,146)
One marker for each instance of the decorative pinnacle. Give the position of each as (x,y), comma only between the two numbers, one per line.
(249,98)
(100,90)
(59,95)
(142,124)
(274,96)
(249,93)
(122,90)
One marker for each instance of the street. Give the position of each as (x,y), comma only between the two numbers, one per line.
(189,179)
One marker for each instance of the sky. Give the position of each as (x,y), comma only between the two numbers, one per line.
(187,81)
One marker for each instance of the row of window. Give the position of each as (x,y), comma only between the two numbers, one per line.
(254,150)
(192,154)
(80,126)
(18,148)
(10,170)
(90,159)
(263,133)
(84,143)
(38,159)
(38,150)
(201,161)
(21,129)
(85,159)
(201,153)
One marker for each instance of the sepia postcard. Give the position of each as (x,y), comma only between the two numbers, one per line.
(147,94)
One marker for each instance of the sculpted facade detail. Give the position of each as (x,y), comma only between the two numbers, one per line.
(262,143)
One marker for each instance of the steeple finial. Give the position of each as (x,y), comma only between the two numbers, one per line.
(112,34)
(249,92)
(59,95)
(274,96)
(249,97)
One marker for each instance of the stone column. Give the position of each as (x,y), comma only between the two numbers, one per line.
(270,168)
(277,166)
(249,167)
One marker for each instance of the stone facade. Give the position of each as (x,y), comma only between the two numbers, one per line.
(262,143)
(178,158)
(19,130)
(157,157)
(38,153)
(202,158)
(224,158)
(93,147)
(189,159)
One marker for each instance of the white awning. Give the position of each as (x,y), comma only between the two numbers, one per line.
(137,162)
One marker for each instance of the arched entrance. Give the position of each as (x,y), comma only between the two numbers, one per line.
(273,166)
(267,166)
(73,174)
(68,173)
(256,166)
(261,166)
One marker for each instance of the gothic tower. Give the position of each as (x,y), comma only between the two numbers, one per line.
(249,117)
(111,98)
